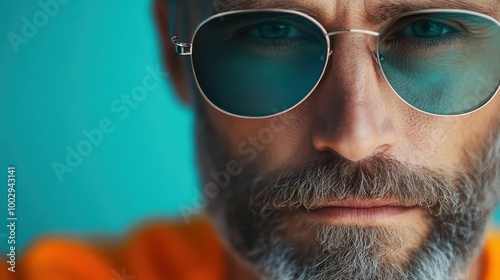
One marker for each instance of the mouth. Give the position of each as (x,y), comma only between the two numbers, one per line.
(360,211)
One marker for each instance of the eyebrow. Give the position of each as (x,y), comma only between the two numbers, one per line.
(381,13)
(390,10)
(234,5)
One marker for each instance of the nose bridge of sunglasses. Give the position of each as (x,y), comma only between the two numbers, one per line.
(358,31)
(362,31)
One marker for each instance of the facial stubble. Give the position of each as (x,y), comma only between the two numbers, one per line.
(255,214)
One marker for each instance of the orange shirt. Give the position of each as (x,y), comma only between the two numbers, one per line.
(159,251)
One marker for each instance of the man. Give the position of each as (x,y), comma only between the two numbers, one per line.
(337,140)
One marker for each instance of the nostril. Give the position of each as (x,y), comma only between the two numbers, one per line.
(383,149)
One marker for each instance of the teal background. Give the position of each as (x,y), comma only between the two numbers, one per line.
(63,81)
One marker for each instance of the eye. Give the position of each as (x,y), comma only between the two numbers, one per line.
(425,28)
(275,30)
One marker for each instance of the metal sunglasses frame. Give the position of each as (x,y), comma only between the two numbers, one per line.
(185,49)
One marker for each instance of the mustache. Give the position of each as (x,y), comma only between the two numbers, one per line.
(378,178)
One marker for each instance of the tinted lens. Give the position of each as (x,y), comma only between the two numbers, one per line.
(257,64)
(444,63)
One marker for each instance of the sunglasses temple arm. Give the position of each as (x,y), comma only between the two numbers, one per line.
(173,16)
(180,47)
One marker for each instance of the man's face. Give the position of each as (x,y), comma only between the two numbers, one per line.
(353,183)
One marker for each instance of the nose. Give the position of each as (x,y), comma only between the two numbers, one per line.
(352,117)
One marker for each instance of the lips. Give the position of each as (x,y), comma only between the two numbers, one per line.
(359,211)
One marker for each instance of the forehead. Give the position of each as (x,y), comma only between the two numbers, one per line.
(381,9)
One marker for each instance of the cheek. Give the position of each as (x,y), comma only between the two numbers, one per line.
(445,142)
(274,142)
(435,142)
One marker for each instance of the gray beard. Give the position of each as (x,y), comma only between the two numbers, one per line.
(251,215)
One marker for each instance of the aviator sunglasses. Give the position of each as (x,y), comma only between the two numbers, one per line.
(261,63)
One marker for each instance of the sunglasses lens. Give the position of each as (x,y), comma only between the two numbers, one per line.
(443,63)
(257,64)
